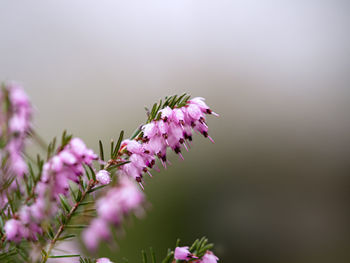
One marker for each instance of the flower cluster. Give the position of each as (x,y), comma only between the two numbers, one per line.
(22,226)
(15,120)
(15,124)
(172,130)
(112,208)
(40,203)
(66,166)
(182,253)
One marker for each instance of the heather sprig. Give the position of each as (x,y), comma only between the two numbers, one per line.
(198,252)
(47,200)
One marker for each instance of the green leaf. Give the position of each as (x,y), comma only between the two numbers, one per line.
(184,101)
(79,195)
(177,242)
(201,243)
(117,147)
(136,133)
(204,249)
(172,102)
(87,203)
(169,257)
(76,226)
(50,232)
(65,204)
(180,98)
(87,173)
(112,148)
(96,188)
(87,260)
(194,245)
(101,153)
(110,168)
(65,256)
(144,256)
(153,255)
(93,175)
(67,237)
(73,193)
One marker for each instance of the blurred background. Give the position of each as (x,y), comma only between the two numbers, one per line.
(275,185)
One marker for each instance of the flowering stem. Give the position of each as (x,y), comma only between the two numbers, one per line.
(69,216)
(60,230)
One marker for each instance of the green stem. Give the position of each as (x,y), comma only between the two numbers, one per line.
(70,214)
(63,226)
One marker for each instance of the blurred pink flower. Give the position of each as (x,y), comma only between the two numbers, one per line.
(97,231)
(118,202)
(13,230)
(103,260)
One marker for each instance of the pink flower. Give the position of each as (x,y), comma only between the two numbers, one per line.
(19,166)
(13,230)
(163,128)
(133,146)
(129,196)
(38,209)
(77,146)
(182,253)
(194,112)
(199,101)
(166,113)
(108,211)
(118,203)
(150,130)
(209,257)
(18,124)
(103,260)
(103,177)
(98,230)
(179,116)
(17,96)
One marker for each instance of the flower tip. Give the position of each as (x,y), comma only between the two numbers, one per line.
(185,146)
(163,163)
(215,114)
(211,139)
(156,168)
(150,175)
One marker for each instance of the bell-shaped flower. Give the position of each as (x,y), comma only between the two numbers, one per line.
(103,177)
(209,257)
(13,230)
(182,253)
